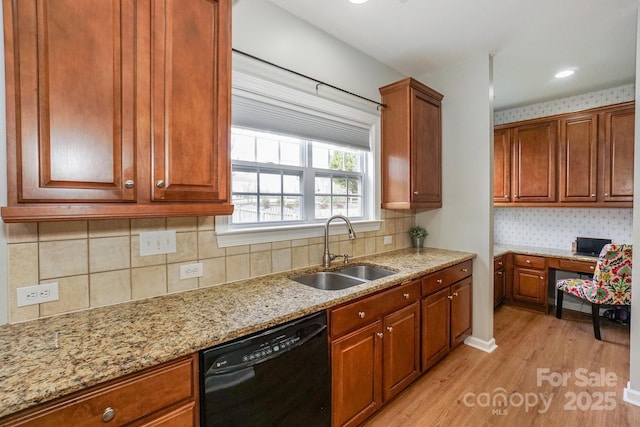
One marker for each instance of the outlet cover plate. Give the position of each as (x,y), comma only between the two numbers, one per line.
(157,242)
(189,271)
(36,294)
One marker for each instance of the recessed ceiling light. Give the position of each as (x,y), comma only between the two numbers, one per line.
(358,1)
(564,73)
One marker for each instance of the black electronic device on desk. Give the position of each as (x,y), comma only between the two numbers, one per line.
(589,246)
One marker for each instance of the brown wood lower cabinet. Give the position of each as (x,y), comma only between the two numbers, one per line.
(499,280)
(530,281)
(165,396)
(375,362)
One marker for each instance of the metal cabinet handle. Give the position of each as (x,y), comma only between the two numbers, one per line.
(606,194)
(406,296)
(591,267)
(160,183)
(129,183)
(515,195)
(439,280)
(506,196)
(361,314)
(108,414)
(541,277)
(593,195)
(464,270)
(390,329)
(500,273)
(416,193)
(449,296)
(379,334)
(528,262)
(455,294)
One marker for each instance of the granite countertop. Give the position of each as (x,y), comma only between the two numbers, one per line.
(47,358)
(500,249)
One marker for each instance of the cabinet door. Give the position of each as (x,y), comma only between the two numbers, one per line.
(618,155)
(461,311)
(529,285)
(436,315)
(501,165)
(190,100)
(426,146)
(70,94)
(578,163)
(534,163)
(356,364)
(498,287)
(401,349)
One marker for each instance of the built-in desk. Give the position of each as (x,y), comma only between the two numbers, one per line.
(529,274)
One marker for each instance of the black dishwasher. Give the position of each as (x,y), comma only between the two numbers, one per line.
(278,377)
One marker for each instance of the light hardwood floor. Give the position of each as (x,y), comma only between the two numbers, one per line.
(533,351)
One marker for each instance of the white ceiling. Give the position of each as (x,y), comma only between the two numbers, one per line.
(531,40)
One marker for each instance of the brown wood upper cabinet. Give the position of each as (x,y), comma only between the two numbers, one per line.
(411,146)
(594,159)
(117,108)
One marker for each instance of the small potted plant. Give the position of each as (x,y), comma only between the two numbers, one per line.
(418,234)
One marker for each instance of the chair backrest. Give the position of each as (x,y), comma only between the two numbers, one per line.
(612,276)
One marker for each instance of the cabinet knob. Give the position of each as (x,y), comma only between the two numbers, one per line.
(464,270)
(499,262)
(506,196)
(591,267)
(439,280)
(515,195)
(379,334)
(500,273)
(129,183)
(449,296)
(108,414)
(541,277)
(160,183)
(593,195)
(606,194)
(406,296)
(390,328)
(361,314)
(528,262)
(416,193)
(455,294)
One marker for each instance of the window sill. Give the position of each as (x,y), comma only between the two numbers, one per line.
(248,236)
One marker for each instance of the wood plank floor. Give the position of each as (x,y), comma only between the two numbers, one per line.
(534,350)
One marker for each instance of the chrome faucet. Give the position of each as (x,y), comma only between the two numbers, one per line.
(327,258)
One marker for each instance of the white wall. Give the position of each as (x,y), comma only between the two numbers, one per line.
(465,221)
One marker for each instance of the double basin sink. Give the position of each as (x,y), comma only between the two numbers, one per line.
(343,278)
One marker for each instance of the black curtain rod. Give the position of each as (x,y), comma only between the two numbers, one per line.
(318,82)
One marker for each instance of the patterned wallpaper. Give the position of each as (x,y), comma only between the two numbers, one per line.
(566,105)
(558,227)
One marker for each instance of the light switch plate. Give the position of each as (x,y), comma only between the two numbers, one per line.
(157,242)
(36,294)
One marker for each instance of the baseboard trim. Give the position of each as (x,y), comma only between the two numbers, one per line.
(631,396)
(486,346)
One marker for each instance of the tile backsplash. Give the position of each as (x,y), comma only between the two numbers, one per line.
(558,227)
(98,263)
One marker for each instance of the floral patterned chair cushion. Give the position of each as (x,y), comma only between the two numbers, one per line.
(611,283)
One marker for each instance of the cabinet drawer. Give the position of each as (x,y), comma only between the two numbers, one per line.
(581,266)
(529,261)
(130,399)
(363,312)
(438,280)
(499,263)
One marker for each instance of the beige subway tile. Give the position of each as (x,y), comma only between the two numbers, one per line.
(261,263)
(22,232)
(369,245)
(300,257)
(186,248)
(148,224)
(237,250)
(215,272)
(261,247)
(316,240)
(143,261)
(358,247)
(23,271)
(380,246)
(315,254)
(206,223)
(182,224)
(109,228)
(238,267)
(73,296)
(299,242)
(63,258)
(147,282)
(208,245)
(110,287)
(64,230)
(109,253)
(283,244)
(346,248)
(175,284)
(281,260)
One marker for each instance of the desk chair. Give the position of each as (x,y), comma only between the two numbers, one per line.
(611,283)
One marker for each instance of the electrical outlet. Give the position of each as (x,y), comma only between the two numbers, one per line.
(388,240)
(36,294)
(189,271)
(157,242)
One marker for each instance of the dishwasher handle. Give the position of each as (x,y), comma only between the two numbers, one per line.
(213,370)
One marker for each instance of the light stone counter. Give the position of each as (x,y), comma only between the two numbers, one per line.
(500,249)
(97,345)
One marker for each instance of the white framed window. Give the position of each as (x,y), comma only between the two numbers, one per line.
(296,160)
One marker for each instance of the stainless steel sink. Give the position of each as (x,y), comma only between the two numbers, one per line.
(365,272)
(343,278)
(328,281)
